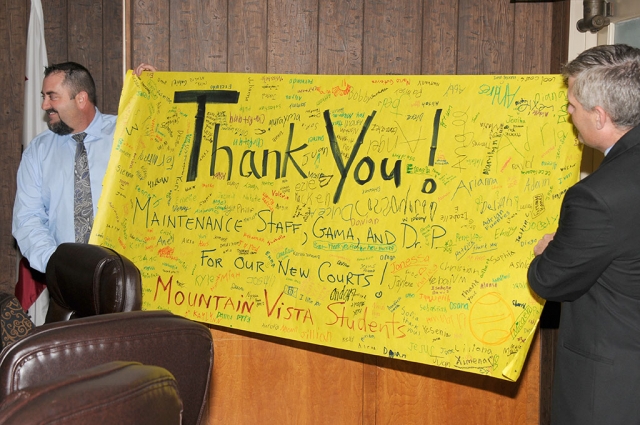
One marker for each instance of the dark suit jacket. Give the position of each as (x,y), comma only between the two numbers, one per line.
(593,266)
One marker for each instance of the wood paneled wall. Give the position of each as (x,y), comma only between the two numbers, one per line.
(349,36)
(259,379)
(13,41)
(89,32)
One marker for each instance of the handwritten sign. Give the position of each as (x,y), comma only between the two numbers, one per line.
(389,215)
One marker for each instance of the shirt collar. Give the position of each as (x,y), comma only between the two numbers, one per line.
(94,131)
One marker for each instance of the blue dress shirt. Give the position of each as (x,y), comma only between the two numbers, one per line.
(43,210)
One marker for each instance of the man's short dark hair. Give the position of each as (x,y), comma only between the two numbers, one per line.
(77,78)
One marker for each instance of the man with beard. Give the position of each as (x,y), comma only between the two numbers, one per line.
(43,213)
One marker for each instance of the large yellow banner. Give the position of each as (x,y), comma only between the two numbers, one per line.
(389,215)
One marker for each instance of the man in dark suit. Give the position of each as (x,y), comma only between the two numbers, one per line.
(592,263)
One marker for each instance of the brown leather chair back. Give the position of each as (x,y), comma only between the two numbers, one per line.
(112,393)
(158,338)
(86,280)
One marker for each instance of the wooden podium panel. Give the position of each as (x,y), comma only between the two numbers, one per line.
(266,380)
(411,393)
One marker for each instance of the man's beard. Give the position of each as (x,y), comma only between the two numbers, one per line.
(61,128)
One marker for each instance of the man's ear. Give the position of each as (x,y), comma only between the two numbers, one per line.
(601,116)
(82,99)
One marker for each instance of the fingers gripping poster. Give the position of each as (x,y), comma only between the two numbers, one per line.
(388,215)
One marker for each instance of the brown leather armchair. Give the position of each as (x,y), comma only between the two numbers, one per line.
(155,338)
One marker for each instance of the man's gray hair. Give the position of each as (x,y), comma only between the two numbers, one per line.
(609,77)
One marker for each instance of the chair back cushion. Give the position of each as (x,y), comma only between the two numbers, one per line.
(86,280)
(112,393)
